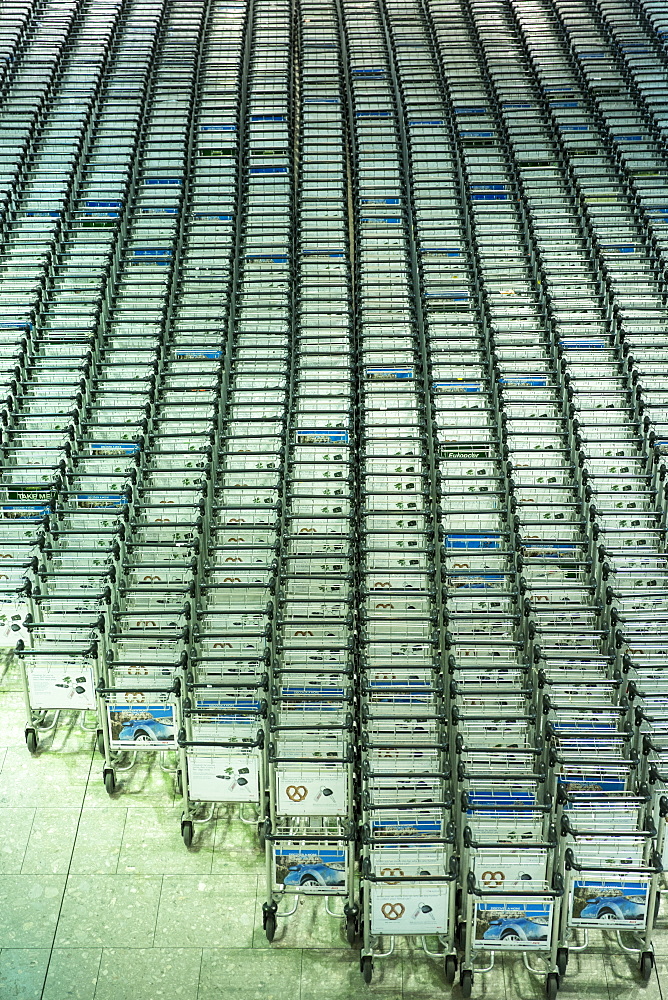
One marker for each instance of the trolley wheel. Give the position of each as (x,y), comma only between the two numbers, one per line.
(460,936)
(270,925)
(646,965)
(466,982)
(552,986)
(366,968)
(109,781)
(351,929)
(179,782)
(450,969)
(187,831)
(562,960)
(31,740)
(261,835)
(99,742)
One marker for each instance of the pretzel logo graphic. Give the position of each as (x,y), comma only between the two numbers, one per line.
(222,645)
(303,633)
(379,584)
(390,871)
(233,559)
(152,579)
(493,880)
(393,910)
(380,606)
(296,793)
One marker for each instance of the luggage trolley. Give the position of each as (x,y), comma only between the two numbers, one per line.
(312,725)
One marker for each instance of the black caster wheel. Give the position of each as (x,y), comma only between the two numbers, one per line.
(562,960)
(366,968)
(31,740)
(552,986)
(262,834)
(187,831)
(179,783)
(99,742)
(450,969)
(460,936)
(466,982)
(109,781)
(351,929)
(646,965)
(269,922)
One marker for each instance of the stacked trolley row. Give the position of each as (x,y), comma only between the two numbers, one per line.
(408,860)
(311,731)
(228,681)
(63,232)
(221,730)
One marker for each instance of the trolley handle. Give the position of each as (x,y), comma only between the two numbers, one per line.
(220,744)
(656,864)
(175,689)
(450,876)
(556,890)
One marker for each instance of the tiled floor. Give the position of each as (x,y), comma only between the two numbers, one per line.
(99,900)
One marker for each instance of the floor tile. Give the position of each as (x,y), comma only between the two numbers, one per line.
(144,786)
(152,844)
(98,841)
(212,911)
(117,911)
(585,973)
(235,848)
(15,827)
(51,841)
(271,975)
(29,907)
(309,927)
(335,975)
(149,974)
(3,754)
(624,980)
(72,974)
(425,976)
(43,781)
(22,972)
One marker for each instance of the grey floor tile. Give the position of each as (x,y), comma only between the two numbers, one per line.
(235,847)
(149,974)
(335,975)
(152,844)
(212,911)
(22,972)
(624,980)
(15,827)
(271,975)
(309,927)
(57,780)
(29,907)
(585,975)
(117,911)
(13,714)
(52,836)
(72,974)
(425,976)
(144,786)
(98,841)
